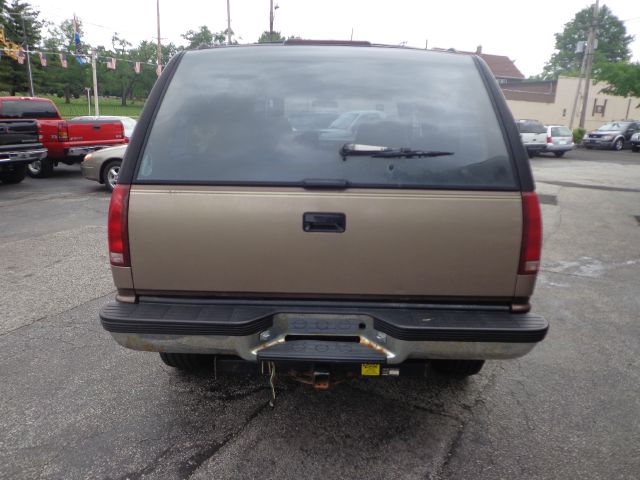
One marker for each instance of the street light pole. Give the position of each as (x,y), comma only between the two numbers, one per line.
(26,44)
(271,20)
(228,23)
(591,40)
(159,51)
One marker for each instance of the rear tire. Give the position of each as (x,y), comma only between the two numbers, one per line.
(457,368)
(187,362)
(40,168)
(110,174)
(15,175)
(558,154)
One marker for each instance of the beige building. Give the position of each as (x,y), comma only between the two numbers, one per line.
(551,102)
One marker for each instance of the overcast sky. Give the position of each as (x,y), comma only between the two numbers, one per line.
(524,31)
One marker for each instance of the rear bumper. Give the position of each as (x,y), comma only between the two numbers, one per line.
(551,147)
(82,151)
(535,147)
(24,156)
(381,334)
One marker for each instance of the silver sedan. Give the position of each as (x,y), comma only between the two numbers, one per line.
(104,165)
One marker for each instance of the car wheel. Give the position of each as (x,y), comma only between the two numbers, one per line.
(187,362)
(40,168)
(558,154)
(110,174)
(457,368)
(618,144)
(15,175)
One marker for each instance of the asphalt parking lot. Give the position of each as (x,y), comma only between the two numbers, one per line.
(76,405)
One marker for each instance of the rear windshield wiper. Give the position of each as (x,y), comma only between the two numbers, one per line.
(356,149)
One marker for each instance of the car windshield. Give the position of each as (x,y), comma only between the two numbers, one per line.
(280,115)
(613,126)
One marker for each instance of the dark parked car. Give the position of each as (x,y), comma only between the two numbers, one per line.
(612,135)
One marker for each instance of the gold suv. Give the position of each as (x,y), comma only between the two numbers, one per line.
(330,209)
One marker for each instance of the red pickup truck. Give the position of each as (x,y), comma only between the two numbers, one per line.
(66,141)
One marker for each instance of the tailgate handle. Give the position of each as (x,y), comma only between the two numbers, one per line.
(96,127)
(324,222)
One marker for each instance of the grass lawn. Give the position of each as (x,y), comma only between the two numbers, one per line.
(108,106)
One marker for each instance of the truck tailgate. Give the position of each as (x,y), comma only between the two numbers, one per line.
(423,243)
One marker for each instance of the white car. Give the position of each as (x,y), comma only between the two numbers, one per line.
(533,135)
(559,140)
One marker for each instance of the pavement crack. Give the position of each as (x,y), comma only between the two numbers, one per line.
(137,474)
(187,468)
(453,446)
(37,320)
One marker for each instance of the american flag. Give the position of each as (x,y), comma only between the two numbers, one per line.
(136,67)
(21,57)
(43,59)
(111,63)
(63,60)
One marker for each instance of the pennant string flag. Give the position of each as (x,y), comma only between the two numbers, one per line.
(136,67)
(63,60)
(43,59)
(111,63)
(21,57)
(76,41)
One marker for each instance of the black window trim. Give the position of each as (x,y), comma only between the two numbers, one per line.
(518,154)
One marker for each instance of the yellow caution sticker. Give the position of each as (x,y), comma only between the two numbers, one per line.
(370,369)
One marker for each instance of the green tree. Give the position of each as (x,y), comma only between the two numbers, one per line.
(613,43)
(266,37)
(21,25)
(204,36)
(623,78)
(70,81)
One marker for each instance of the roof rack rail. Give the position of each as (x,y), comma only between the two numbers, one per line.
(349,43)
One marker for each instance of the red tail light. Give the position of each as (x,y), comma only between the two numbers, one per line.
(63,132)
(549,139)
(118,226)
(531,234)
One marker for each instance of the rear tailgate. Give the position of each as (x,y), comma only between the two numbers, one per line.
(408,243)
(223,184)
(18,132)
(90,132)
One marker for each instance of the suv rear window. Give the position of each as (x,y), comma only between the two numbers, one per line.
(27,109)
(277,115)
(560,132)
(529,126)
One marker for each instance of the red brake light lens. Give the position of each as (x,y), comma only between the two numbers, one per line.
(118,226)
(531,234)
(63,132)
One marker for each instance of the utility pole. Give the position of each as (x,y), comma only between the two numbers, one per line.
(591,40)
(579,87)
(159,51)
(26,44)
(228,23)
(95,83)
(271,21)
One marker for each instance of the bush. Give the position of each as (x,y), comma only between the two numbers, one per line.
(578,134)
